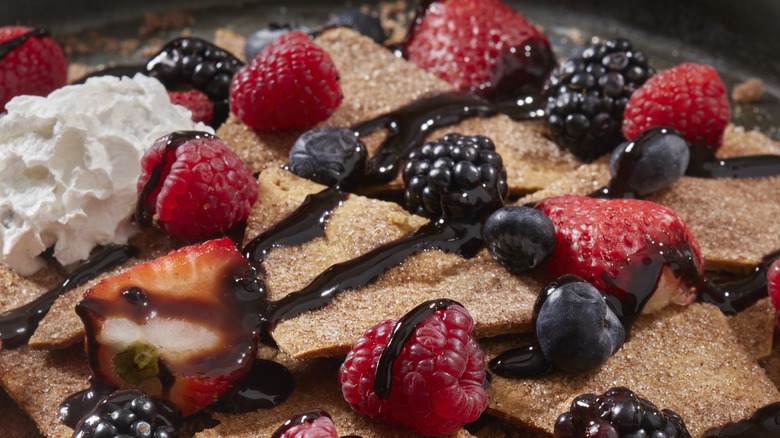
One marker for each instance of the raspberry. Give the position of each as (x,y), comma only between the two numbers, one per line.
(690,98)
(483,46)
(437,379)
(291,84)
(312,424)
(198,103)
(773,285)
(37,66)
(193,186)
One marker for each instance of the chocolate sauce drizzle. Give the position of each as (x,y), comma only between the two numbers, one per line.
(448,236)
(18,325)
(408,126)
(402,331)
(14,43)
(764,423)
(143,214)
(267,385)
(704,164)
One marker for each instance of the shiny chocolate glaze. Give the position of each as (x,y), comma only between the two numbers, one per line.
(7,47)
(402,331)
(18,325)
(764,423)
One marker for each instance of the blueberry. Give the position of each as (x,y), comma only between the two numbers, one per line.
(520,238)
(654,160)
(576,329)
(332,156)
(358,21)
(263,37)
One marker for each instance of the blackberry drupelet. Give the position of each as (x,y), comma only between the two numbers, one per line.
(587,95)
(618,413)
(191,62)
(456,177)
(129,413)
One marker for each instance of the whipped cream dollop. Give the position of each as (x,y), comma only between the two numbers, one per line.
(70,162)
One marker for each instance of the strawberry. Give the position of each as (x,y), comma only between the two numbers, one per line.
(30,63)
(773,285)
(178,328)
(200,106)
(622,246)
(483,46)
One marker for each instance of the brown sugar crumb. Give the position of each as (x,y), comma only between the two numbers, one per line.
(154,23)
(748,92)
(395,17)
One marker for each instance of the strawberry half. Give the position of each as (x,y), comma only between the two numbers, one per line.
(181,328)
(483,46)
(626,248)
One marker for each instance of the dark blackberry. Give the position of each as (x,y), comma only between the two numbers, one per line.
(455,177)
(586,96)
(191,62)
(618,413)
(129,413)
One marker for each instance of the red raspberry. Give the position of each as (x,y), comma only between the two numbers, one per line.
(204,188)
(292,83)
(314,424)
(773,285)
(436,381)
(37,67)
(198,103)
(689,97)
(483,46)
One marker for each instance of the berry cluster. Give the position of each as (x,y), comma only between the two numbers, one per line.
(618,413)
(128,413)
(587,95)
(455,177)
(191,62)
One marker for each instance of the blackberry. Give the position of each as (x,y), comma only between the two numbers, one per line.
(191,62)
(618,413)
(456,177)
(587,95)
(129,413)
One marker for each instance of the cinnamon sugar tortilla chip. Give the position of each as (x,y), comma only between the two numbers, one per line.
(685,359)
(755,327)
(498,301)
(317,388)
(733,220)
(375,82)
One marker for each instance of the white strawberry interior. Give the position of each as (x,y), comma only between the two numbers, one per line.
(176,339)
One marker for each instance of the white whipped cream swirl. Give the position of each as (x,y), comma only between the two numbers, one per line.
(69,165)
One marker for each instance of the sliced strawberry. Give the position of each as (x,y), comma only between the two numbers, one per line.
(179,328)
(625,248)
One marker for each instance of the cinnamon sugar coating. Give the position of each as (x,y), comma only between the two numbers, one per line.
(685,359)
(498,301)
